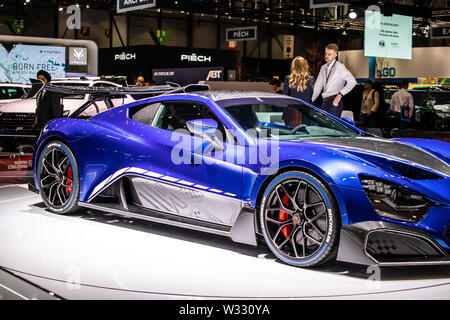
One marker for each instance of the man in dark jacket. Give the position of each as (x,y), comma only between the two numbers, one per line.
(48,105)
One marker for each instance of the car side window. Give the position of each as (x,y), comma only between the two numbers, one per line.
(174,115)
(144,113)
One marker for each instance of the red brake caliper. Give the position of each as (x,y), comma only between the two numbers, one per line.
(69,180)
(283,216)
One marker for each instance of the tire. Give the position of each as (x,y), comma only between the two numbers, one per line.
(299,220)
(58,178)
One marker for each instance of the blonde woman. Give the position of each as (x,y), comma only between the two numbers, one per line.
(299,84)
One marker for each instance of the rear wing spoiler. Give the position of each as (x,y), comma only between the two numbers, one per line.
(37,86)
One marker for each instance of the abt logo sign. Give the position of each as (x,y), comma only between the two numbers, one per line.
(125,56)
(214,75)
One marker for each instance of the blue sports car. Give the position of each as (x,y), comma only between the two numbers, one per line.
(255,167)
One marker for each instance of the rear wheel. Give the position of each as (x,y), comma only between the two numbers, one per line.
(299,220)
(58,178)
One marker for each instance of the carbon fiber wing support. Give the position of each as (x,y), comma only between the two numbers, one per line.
(37,85)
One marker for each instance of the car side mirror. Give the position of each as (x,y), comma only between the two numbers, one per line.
(205,129)
(348,121)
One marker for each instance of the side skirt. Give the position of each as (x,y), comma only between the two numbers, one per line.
(243,231)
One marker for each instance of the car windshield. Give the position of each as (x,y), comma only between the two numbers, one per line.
(285,121)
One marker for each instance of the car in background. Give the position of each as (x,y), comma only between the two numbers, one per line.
(11,92)
(432,88)
(19,115)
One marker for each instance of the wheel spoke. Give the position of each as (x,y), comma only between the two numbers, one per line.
(281,228)
(293,240)
(318,215)
(314,204)
(304,244)
(276,221)
(62,162)
(280,199)
(320,232)
(285,241)
(46,168)
(63,193)
(312,239)
(59,195)
(49,185)
(296,193)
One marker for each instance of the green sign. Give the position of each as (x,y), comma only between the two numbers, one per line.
(161,35)
(17,26)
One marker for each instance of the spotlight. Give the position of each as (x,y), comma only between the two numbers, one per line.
(60,9)
(353,15)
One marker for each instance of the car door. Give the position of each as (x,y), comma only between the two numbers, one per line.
(191,179)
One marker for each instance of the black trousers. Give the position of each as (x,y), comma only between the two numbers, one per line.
(335,111)
(401,125)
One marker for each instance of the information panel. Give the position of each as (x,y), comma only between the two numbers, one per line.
(19,63)
(387,36)
(129,5)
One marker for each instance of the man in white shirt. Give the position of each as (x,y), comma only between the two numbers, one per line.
(334,81)
(402,104)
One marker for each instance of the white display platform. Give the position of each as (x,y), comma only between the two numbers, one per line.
(91,255)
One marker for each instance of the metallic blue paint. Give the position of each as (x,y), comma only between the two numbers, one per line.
(111,141)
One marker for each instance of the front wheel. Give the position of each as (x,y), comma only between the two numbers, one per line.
(299,220)
(57,175)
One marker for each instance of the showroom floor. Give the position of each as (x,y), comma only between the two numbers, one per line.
(92,255)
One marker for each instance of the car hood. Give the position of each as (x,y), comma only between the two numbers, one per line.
(388,150)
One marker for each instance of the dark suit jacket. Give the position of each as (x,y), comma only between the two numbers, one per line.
(48,108)
(291,116)
(305,95)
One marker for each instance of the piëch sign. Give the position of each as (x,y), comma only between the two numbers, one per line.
(125,56)
(195,58)
(241,33)
(129,5)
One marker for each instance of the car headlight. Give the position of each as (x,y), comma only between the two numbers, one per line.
(392,201)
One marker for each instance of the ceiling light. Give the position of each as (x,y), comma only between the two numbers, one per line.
(353,15)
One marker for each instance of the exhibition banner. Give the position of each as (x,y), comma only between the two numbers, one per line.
(387,37)
(324,4)
(22,62)
(129,5)
(184,76)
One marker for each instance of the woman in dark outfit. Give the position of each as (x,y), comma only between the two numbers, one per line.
(299,84)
